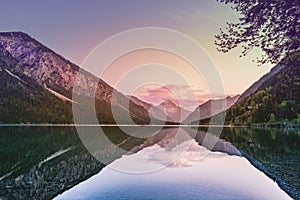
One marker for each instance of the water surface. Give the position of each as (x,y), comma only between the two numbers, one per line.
(42,162)
(179,170)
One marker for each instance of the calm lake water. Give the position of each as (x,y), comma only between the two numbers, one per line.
(173,163)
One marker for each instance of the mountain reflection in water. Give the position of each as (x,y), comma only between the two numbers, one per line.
(42,162)
(173,164)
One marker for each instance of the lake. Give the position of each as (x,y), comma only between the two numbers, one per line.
(172,163)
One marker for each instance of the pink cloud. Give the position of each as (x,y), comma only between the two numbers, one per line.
(183,95)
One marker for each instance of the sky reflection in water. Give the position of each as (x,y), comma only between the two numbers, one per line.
(189,176)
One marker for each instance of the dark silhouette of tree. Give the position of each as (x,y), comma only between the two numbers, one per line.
(272,25)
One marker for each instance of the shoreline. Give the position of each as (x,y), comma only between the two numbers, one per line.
(261,167)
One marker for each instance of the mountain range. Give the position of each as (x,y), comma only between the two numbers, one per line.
(36,86)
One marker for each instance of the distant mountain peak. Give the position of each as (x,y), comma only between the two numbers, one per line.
(168,102)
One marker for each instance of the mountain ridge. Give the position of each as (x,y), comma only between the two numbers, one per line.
(276,99)
(24,56)
(254,87)
(204,111)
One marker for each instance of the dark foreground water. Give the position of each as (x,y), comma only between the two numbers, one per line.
(43,162)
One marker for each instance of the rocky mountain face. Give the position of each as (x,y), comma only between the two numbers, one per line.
(26,60)
(211,108)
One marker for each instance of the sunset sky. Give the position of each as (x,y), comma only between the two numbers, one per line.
(74,28)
